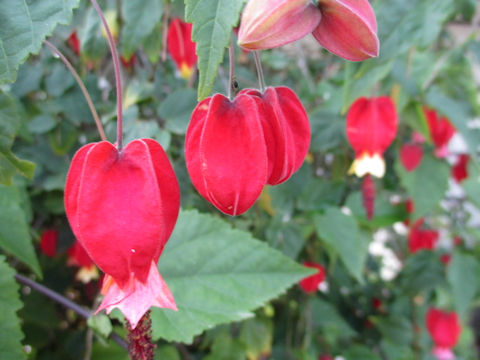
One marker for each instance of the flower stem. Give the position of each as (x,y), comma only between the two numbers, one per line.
(118,78)
(140,345)
(231,79)
(82,87)
(261,78)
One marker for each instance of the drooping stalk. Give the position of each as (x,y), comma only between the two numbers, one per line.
(118,79)
(82,87)
(231,78)
(261,78)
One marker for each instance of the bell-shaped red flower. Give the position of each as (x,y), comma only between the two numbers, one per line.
(286,130)
(441,131)
(78,257)
(371,128)
(74,42)
(459,170)
(421,239)
(122,207)
(411,156)
(310,283)
(444,329)
(181,47)
(225,152)
(347,28)
(48,242)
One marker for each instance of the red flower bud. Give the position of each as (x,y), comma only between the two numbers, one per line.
(74,42)
(441,131)
(286,130)
(181,47)
(310,283)
(444,327)
(122,207)
(459,170)
(225,152)
(48,242)
(420,239)
(411,156)
(371,128)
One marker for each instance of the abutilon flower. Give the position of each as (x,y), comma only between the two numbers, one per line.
(459,170)
(444,329)
(441,131)
(181,47)
(233,148)
(128,63)
(310,283)
(48,242)
(421,239)
(78,257)
(371,128)
(122,207)
(411,156)
(74,42)
(347,28)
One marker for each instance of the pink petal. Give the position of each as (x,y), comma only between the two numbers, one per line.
(411,156)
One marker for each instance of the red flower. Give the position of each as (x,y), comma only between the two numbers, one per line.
(444,329)
(181,47)
(420,239)
(122,207)
(48,242)
(409,208)
(74,42)
(445,259)
(325,357)
(78,257)
(441,131)
(347,28)
(411,156)
(371,128)
(459,170)
(310,284)
(128,63)
(377,303)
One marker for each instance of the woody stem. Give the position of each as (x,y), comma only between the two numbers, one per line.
(118,79)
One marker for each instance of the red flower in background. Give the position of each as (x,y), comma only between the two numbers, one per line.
(411,156)
(128,63)
(48,242)
(78,257)
(420,239)
(122,207)
(74,42)
(441,131)
(460,170)
(310,284)
(444,329)
(325,357)
(181,47)
(371,128)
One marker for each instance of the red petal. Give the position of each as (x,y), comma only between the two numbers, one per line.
(420,239)
(180,45)
(310,283)
(48,242)
(441,131)
(444,327)
(411,156)
(459,170)
(348,29)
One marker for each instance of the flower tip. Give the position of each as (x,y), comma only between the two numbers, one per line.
(366,164)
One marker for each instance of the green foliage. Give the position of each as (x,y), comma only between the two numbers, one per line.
(217,275)
(10,341)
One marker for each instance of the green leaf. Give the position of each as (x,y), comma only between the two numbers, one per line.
(395,329)
(423,271)
(141,17)
(10,341)
(14,230)
(257,336)
(360,352)
(217,275)
(341,234)
(425,190)
(177,108)
(100,323)
(213,21)
(24,25)
(328,130)
(326,317)
(462,275)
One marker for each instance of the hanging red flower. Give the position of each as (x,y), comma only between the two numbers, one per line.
(460,170)
(421,239)
(74,42)
(411,156)
(347,28)
(310,283)
(78,257)
(444,329)
(181,47)
(441,131)
(122,207)
(48,242)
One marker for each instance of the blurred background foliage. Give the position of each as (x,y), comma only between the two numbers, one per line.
(373,302)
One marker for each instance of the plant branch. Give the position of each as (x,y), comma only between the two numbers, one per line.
(66,303)
(258,64)
(231,80)
(82,87)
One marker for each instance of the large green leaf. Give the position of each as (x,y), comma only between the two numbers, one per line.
(141,17)
(341,234)
(213,21)
(24,25)
(462,275)
(14,231)
(10,341)
(426,185)
(9,126)
(217,275)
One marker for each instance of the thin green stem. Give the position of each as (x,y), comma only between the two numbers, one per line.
(231,79)
(261,78)
(118,78)
(82,87)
